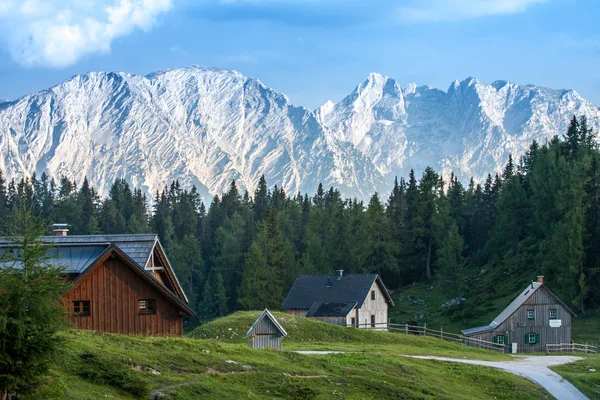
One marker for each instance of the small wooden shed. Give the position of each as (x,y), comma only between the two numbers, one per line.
(266,332)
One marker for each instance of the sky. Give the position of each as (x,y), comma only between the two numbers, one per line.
(311,50)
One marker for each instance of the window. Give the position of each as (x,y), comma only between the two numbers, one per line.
(372,321)
(552,314)
(372,295)
(147,306)
(532,338)
(81,308)
(501,340)
(353,321)
(530,314)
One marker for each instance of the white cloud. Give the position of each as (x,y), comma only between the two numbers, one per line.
(57,33)
(443,10)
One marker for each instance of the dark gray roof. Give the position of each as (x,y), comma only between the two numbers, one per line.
(137,247)
(351,288)
(267,314)
(330,309)
(512,307)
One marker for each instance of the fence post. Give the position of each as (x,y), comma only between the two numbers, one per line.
(441,332)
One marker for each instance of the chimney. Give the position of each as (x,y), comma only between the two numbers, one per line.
(60,229)
(541,279)
(339,273)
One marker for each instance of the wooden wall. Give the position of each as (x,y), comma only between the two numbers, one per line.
(377,307)
(114,289)
(265,335)
(518,325)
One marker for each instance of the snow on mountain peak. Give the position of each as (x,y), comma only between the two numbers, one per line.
(206,126)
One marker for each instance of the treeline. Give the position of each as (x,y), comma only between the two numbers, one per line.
(480,241)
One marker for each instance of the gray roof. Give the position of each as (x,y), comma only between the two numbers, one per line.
(512,307)
(78,252)
(267,314)
(350,288)
(75,259)
(330,309)
(137,247)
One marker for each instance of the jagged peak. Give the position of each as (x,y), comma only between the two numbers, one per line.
(410,88)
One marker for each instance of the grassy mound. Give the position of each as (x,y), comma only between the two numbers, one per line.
(304,334)
(104,366)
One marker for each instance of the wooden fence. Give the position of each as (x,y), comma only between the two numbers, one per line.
(572,347)
(424,331)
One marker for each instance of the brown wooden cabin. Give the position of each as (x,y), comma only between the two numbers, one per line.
(121,284)
(536,317)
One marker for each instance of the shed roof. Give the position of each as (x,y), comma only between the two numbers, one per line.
(266,314)
(350,288)
(331,309)
(512,308)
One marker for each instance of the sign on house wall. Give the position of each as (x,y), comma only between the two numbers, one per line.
(555,323)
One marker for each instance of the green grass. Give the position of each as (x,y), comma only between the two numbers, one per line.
(103,366)
(305,334)
(584,374)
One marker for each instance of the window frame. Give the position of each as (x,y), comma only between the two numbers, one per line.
(148,309)
(529,336)
(353,321)
(530,314)
(553,314)
(373,295)
(79,307)
(373,321)
(501,337)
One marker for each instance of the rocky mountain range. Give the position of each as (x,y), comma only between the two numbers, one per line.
(207,126)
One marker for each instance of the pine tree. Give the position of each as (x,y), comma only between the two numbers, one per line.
(31,312)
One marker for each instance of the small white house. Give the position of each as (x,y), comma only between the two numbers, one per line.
(360,300)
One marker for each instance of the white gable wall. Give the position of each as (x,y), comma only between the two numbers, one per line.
(377,307)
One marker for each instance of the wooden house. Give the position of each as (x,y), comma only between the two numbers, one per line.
(120,283)
(359,300)
(535,318)
(265,332)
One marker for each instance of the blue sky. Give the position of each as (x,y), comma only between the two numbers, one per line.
(312,50)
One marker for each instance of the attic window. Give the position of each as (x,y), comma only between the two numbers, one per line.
(81,308)
(372,295)
(552,314)
(147,306)
(530,314)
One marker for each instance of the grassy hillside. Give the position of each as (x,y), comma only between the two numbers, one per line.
(103,366)
(305,334)
(423,303)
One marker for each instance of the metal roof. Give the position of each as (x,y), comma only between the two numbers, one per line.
(350,288)
(75,259)
(512,308)
(267,314)
(330,309)
(78,252)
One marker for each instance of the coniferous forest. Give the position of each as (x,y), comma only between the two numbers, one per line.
(541,216)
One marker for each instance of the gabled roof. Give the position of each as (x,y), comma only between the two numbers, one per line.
(146,275)
(513,307)
(330,309)
(266,314)
(350,288)
(78,252)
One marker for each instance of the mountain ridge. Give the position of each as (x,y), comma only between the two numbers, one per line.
(206,126)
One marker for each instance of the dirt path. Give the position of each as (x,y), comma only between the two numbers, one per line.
(534,368)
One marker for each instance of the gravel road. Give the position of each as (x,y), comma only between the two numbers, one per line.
(534,368)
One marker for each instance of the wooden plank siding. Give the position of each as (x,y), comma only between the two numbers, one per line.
(114,290)
(265,335)
(519,325)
